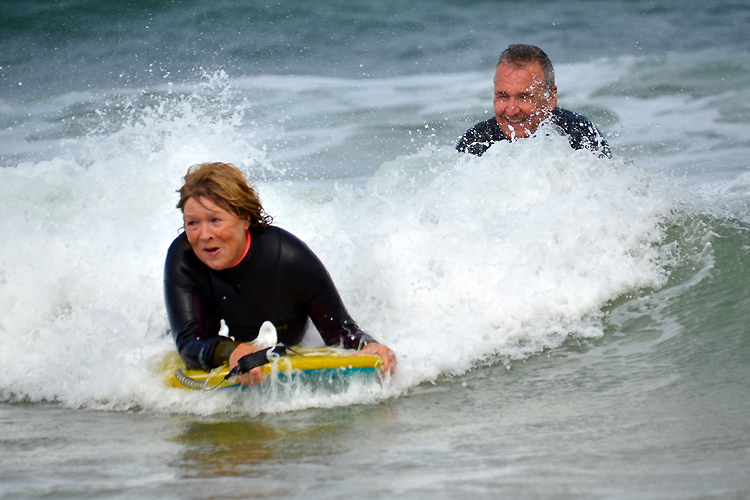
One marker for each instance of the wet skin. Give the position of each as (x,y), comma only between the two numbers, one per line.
(522,101)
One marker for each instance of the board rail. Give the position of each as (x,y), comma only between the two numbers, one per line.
(307,363)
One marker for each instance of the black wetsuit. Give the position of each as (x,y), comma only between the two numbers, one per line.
(279,280)
(580,131)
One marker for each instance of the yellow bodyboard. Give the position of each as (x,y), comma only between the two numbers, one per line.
(307,360)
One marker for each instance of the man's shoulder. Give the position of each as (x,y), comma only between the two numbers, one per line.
(581,132)
(564,117)
(480,137)
(485,130)
(489,125)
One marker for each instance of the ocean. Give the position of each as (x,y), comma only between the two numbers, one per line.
(567,326)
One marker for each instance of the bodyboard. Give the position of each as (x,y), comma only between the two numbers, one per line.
(309,364)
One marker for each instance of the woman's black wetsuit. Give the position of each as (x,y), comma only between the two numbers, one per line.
(279,280)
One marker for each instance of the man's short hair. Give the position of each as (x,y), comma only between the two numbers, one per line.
(520,54)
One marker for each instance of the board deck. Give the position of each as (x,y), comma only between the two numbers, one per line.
(310,363)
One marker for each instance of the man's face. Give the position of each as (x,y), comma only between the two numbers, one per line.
(522,101)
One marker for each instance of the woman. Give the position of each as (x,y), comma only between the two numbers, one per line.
(230,264)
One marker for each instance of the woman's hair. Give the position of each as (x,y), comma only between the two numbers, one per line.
(224,184)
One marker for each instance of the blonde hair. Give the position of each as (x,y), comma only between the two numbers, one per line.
(225,185)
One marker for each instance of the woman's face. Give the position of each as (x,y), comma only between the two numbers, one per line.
(216,236)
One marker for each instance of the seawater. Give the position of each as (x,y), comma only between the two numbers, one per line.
(566,326)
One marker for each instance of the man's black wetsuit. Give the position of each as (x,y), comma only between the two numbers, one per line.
(279,280)
(580,131)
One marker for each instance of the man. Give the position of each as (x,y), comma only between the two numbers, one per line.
(526,97)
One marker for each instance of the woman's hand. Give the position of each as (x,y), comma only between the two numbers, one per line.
(388,356)
(254,376)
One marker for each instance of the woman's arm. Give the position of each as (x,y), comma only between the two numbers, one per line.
(186,290)
(326,309)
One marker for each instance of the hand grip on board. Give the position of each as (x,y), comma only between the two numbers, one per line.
(255,359)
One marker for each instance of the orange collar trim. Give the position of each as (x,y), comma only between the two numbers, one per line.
(247,249)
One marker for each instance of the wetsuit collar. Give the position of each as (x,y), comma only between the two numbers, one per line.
(247,249)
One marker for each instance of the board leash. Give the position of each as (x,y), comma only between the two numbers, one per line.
(245,364)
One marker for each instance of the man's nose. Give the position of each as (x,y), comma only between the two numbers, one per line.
(512,108)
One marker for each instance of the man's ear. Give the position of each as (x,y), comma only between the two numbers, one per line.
(552,97)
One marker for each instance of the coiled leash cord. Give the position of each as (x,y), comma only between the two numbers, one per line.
(244,365)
